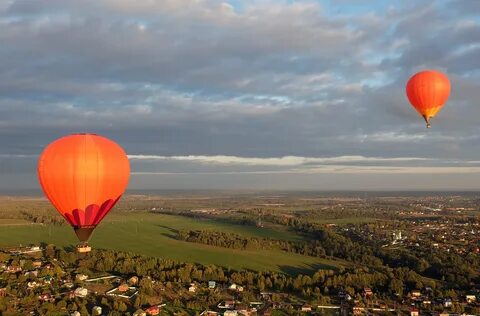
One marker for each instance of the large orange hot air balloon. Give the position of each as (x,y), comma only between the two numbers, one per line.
(428,91)
(83,176)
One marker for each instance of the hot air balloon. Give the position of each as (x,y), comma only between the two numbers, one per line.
(83,176)
(428,91)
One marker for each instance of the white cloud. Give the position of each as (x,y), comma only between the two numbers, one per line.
(274,161)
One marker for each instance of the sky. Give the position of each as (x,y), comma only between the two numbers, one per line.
(254,94)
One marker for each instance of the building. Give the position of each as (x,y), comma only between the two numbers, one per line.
(235,287)
(209,313)
(33,273)
(306,308)
(139,312)
(470,298)
(123,291)
(226,304)
(45,297)
(80,292)
(212,284)
(153,310)
(133,280)
(367,292)
(415,293)
(230,313)
(14,269)
(414,312)
(37,264)
(123,287)
(447,302)
(81,277)
(192,288)
(97,310)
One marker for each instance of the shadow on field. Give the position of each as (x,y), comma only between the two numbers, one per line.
(172,233)
(306,269)
(70,248)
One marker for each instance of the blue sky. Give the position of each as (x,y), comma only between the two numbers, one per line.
(256,94)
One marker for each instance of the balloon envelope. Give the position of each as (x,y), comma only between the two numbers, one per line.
(428,91)
(83,176)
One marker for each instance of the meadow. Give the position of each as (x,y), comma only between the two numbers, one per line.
(151,234)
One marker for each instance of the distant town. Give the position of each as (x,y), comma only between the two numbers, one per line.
(371,255)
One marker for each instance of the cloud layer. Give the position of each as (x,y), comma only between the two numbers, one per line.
(207,84)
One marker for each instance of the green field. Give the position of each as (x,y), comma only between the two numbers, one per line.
(13,222)
(150,234)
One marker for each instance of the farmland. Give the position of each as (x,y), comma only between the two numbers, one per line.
(150,234)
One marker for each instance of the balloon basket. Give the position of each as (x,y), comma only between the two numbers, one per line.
(427,120)
(83,248)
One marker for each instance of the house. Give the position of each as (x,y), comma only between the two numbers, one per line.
(415,293)
(123,287)
(192,288)
(14,269)
(306,308)
(426,303)
(447,302)
(33,273)
(3,292)
(80,292)
(133,280)
(37,264)
(75,313)
(367,292)
(230,313)
(470,299)
(153,310)
(209,313)
(414,312)
(235,287)
(97,310)
(226,304)
(211,284)
(81,277)
(139,312)
(32,284)
(123,291)
(45,297)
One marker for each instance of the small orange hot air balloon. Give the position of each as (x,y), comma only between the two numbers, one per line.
(83,176)
(428,91)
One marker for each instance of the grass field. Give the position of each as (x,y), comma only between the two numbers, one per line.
(149,234)
(13,222)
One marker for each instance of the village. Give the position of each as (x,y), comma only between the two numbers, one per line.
(37,283)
